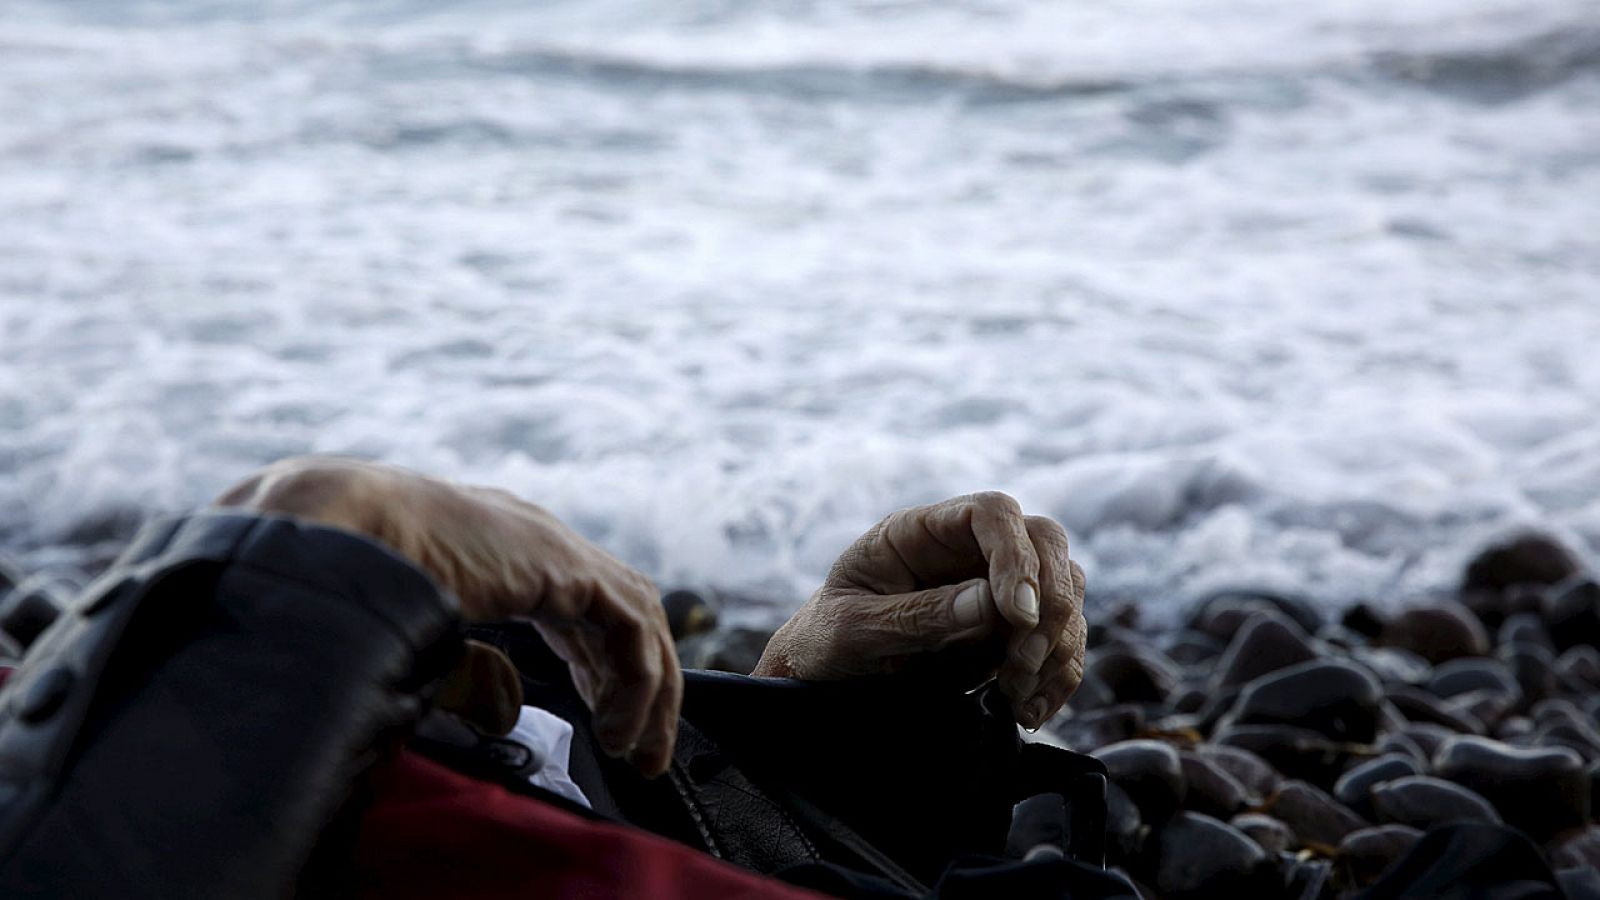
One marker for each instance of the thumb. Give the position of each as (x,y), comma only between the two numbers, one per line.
(938,617)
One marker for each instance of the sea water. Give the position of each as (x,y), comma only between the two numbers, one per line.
(1293,295)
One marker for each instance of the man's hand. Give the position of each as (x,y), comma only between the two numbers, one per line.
(942,581)
(505,558)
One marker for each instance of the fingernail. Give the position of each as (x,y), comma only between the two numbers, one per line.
(1033,650)
(1028,602)
(968,609)
(1037,707)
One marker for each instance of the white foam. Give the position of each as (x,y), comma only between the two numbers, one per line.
(723,284)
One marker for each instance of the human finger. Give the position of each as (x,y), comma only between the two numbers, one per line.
(1028,650)
(653,753)
(630,638)
(998,527)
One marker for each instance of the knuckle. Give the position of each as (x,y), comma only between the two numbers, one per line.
(998,502)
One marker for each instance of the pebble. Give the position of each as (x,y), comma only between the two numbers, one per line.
(1133,674)
(1524,628)
(1423,708)
(1365,854)
(1271,834)
(688,614)
(1088,731)
(1250,770)
(1423,801)
(1124,827)
(1223,612)
(728,650)
(1393,665)
(1363,619)
(1580,849)
(1459,676)
(1152,774)
(1573,613)
(1193,647)
(1211,790)
(1540,790)
(1579,883)
(1267,642)
(1334,698)
(1295,752)
(1579,669)
(1428,737)
(1317,819)
(1438,632)
(1534,668)
(1531,558)
(1398,742)
(1354,787)
(1198,856)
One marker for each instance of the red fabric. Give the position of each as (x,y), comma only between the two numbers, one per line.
(434,833)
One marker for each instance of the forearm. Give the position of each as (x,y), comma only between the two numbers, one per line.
(195,733)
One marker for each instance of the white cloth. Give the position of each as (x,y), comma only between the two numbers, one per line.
(549,736)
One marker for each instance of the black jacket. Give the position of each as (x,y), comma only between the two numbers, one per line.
(271,662)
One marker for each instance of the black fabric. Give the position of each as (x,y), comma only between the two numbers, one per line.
(194,724)
(868,788)
(1470,861)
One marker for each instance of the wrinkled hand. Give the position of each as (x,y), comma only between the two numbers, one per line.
(928,583)
(505,558)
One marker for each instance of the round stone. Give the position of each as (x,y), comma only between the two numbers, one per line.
(1266,643)
(1151,773)
(1438,632)
(1197,856)
(1211,790)
(45,694)
(1316,818)
(1365,854)
(1250,770)
(1334,698)
(1459,676)
(1273,836)
(1354,787)
(1423,801)
(1133,674)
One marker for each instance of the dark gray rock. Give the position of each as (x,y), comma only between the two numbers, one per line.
(1089,731)
(1364,619)
(1581,883)
(728,650)
(1538,790)
(1393,665)
(1530,558)
(1222,613)
(1572,611)
(1354,787)
(1399,743)
(1273,836)
(1438,632)
(1295,752)
(1423,801)
(1254,773)
(1266,643)
(1133,674)
(1422,708)
(1459,676)
(1211,790)
(1428,737)
(1579,670)
(1534,668)
(688,614)
(1524,628)
(1197,856)
(1317,819)
(1332,697)
(1580,849)
(1125,829)
(1192,647)
(1151,773)
(1364,855)
(1486,706)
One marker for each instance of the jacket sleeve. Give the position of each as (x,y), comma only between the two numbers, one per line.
(193,725)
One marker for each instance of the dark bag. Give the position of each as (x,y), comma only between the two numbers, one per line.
(875,776)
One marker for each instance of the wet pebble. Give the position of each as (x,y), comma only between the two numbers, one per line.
(1267,642)
(1152,774)
(1524,628)
(1534,668)
(1124,826)
(1315,817)
(1365,854)
(1193,647)
(1579,669)
(1294,752)
(1332,697)
(1531,558)
(1423,801)
(1088,731)
(1428,737)
(1393,665)
(1198,856)
(1438,632)
(1250,770)
(1573,613)
(1271,834)
(1363,619)
(1420,707)
(1211,790)
(1459,676)
(1578,849)
(1133,674)
(1354,787)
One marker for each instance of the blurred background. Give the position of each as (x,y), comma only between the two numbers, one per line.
(1292,295)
